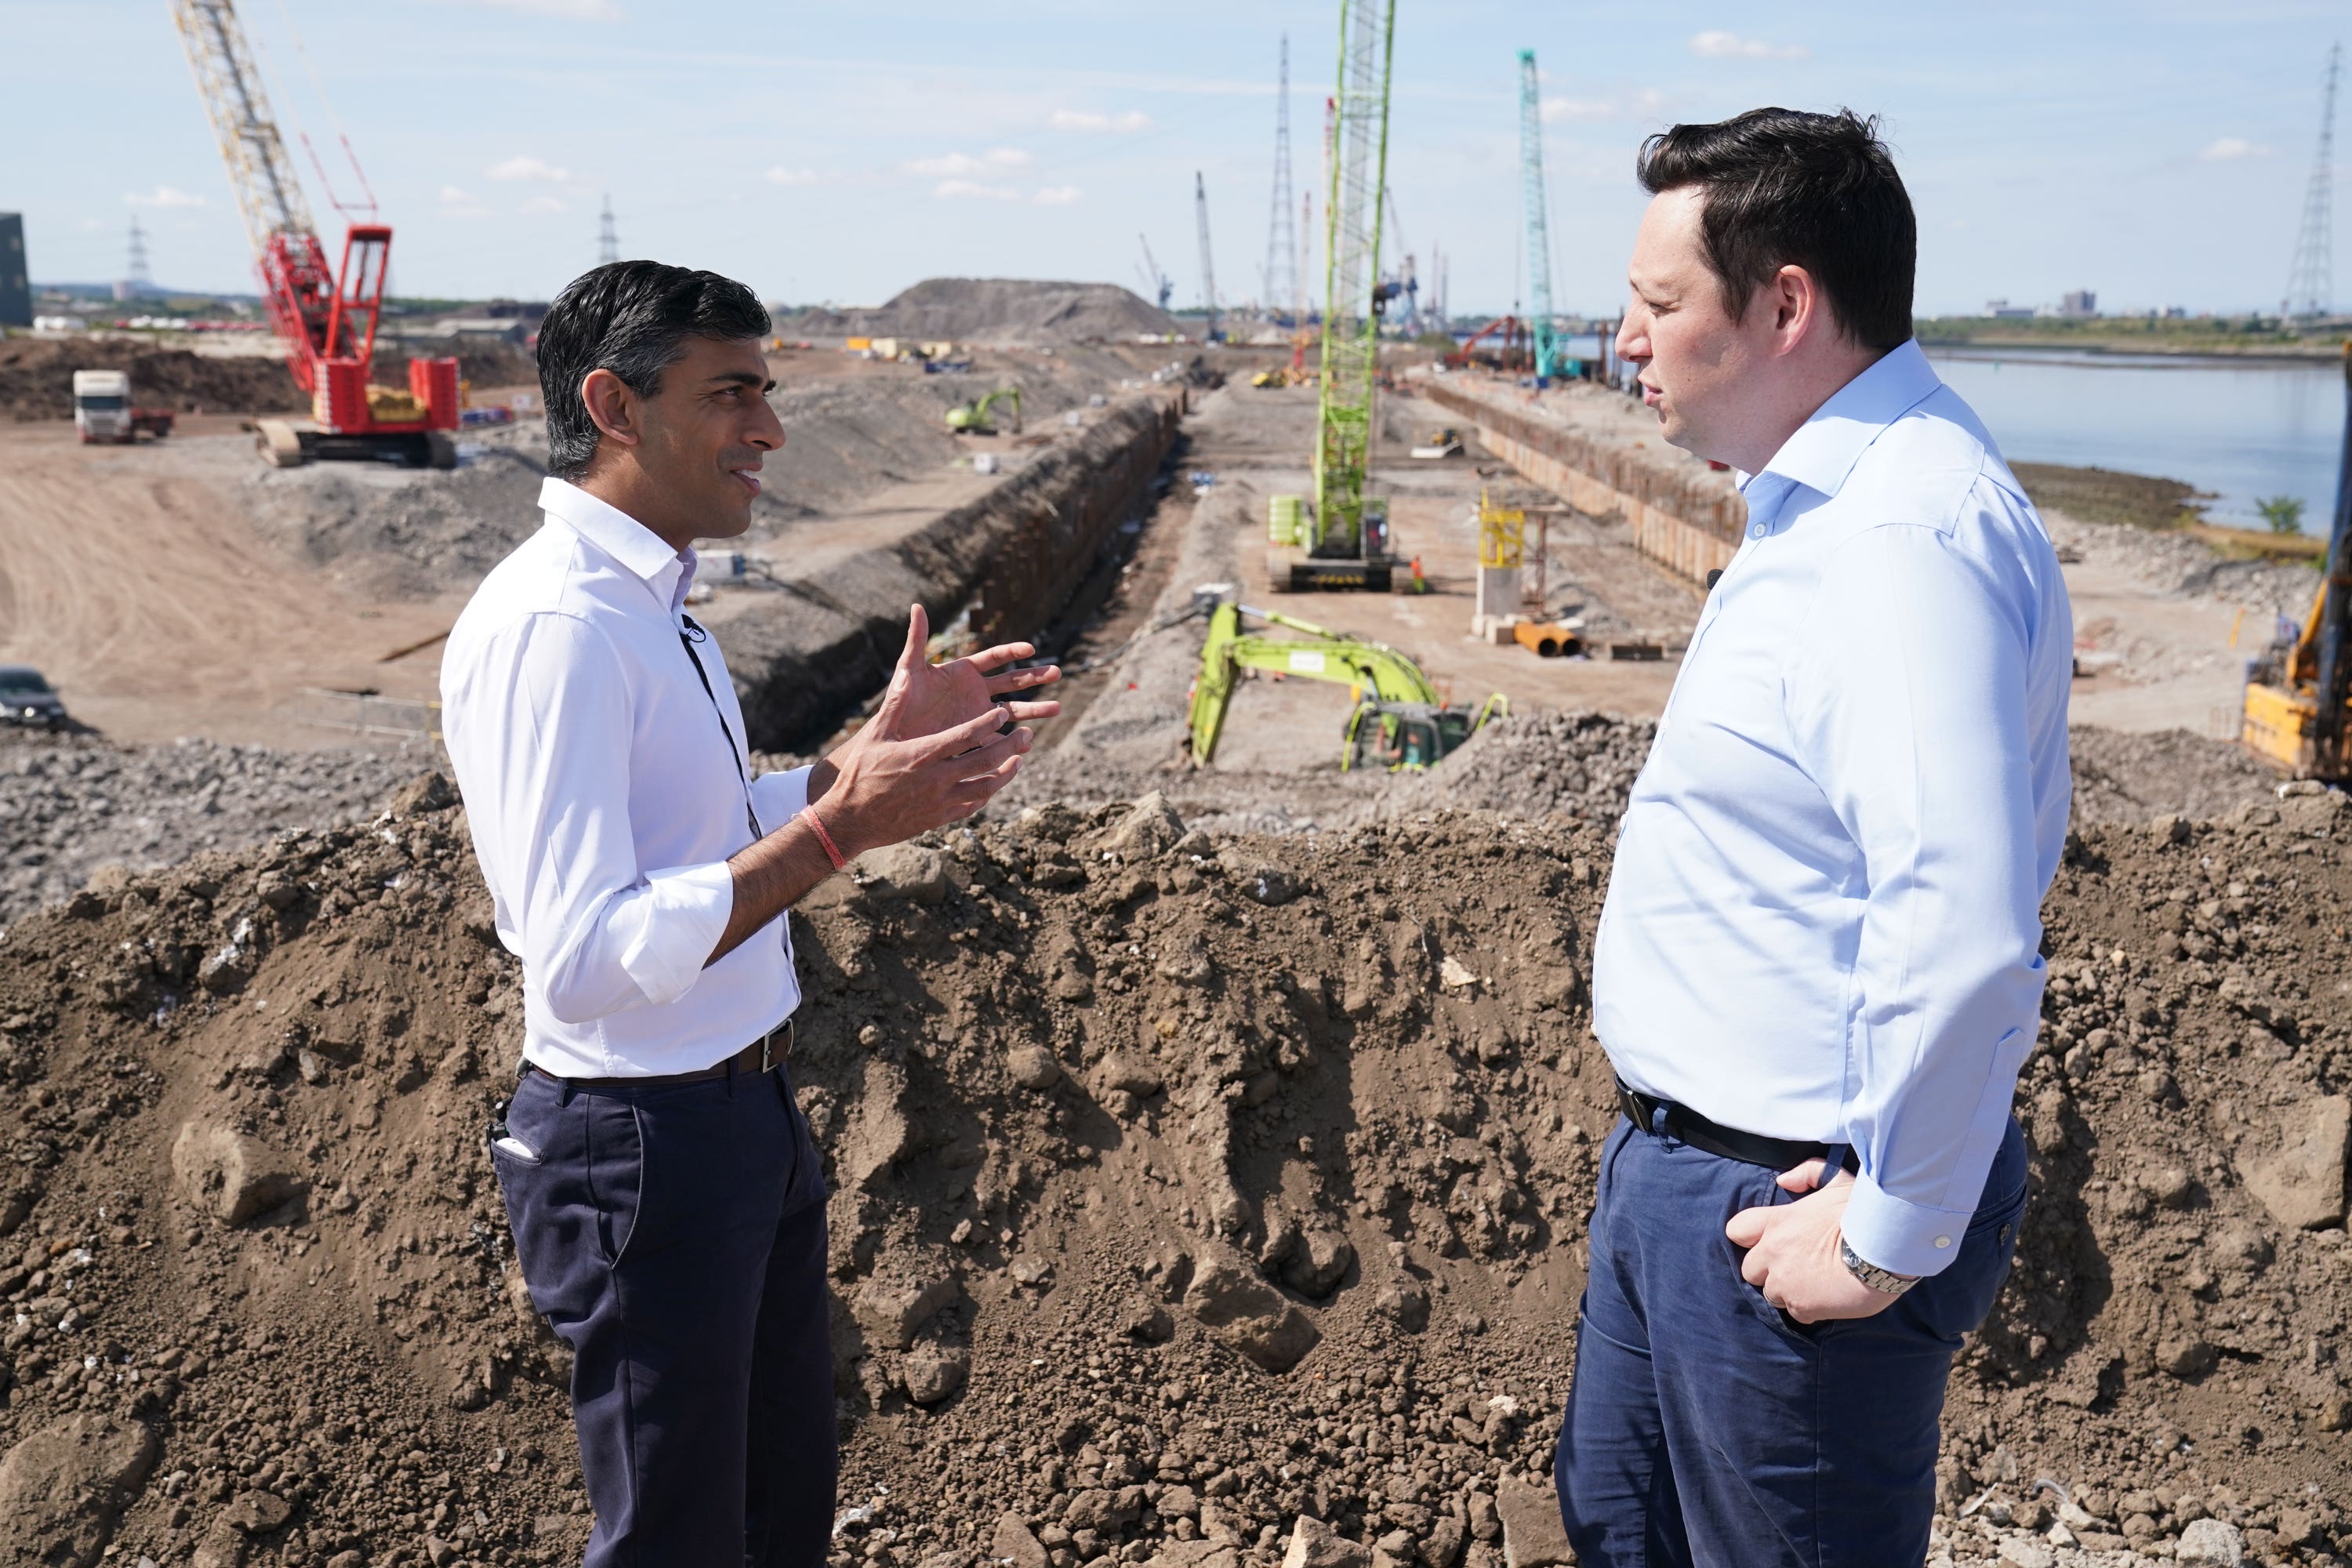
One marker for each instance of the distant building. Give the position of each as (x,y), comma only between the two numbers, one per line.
(2176,313)
(529,311)
(2001,310)
(2078,302)
(16,286)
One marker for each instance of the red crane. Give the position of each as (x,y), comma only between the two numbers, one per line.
(328,319)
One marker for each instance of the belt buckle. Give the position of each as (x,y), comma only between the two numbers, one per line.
(770,1057)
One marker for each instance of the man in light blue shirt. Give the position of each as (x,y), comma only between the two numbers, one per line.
(1818,957)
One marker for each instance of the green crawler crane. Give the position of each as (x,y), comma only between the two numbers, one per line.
(1397,721)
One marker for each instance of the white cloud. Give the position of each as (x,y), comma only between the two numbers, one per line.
(1058,196)
(975,189)
(1124,124)
(780,175)
(570,10)
(2230,149)
(523,167)
(1717,44)
(1557,109)
(539,206)
(955,164)
(162,196)
(455,202)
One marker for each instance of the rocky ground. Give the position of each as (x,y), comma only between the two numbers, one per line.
(1185,1185)
(72,804)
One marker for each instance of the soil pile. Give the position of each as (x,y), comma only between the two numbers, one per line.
(37,375)
(72,804)
(36,378)
(1182,1185)
(997,309)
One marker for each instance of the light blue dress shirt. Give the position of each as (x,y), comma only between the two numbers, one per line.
(1824,920)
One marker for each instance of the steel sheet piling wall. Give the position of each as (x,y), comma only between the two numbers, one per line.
(1690,528)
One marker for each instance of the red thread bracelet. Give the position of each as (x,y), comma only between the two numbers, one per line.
(824,840)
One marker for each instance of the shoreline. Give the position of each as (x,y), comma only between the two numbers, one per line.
(2112,348)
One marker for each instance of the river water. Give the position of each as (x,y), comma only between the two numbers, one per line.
(2237,430)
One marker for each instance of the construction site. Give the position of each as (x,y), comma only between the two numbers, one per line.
(1211,1123)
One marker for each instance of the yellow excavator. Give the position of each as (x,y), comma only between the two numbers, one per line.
(2298,713)
(975,419)
(1397,722)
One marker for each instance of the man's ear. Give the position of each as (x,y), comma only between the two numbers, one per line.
(613,407)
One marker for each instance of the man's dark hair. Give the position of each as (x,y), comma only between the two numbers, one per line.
(1782,188)
(632,317)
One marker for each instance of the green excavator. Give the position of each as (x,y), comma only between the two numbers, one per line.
(974,419)
(1399,723)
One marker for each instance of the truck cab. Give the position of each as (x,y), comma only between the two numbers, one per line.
(102,405)
(104,411)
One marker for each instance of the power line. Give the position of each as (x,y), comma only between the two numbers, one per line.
(2310,278)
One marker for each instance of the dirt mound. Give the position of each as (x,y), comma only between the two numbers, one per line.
(70,804)
(2123,777)
(36,378)
(1183,1185)
(1576,766)
(37,375)
(997,309)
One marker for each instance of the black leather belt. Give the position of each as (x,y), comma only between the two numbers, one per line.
(1688,1126)
(762,1054)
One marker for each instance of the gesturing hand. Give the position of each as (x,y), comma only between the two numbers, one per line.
(1794,1253)
(925,699)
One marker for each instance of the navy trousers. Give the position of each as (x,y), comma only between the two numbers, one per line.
(674,1237)
(1707,1430)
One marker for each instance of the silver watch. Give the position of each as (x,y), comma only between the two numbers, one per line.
(1884,1281)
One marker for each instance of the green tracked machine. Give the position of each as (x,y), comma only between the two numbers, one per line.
(1398,720)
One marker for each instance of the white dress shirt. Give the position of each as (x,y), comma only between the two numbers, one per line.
(1823,922)
(604,799)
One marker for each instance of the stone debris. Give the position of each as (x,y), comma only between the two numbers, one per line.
(1157,1267)
(63,1486)
(2303,1184)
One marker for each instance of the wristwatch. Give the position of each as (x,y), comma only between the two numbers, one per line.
(1884,1281)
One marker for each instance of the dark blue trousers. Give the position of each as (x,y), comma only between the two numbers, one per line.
(674,1239)
(1707,1430)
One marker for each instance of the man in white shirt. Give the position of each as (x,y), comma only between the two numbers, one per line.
(666,1201)
(1819,955)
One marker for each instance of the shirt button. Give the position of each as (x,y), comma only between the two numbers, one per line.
(1943,1241)
(1756,530)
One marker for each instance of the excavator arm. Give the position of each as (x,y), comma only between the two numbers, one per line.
(1317,655)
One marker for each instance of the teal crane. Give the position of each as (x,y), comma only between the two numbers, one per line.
(1550,355)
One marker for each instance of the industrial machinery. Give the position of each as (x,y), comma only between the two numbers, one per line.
(1507,358)
(1208,262)
(972,418)
(1439,445)
(1341,539)
(103,410)
(2298,714)
(1159,282)
(327,318)
(1398,720)
(1551,359)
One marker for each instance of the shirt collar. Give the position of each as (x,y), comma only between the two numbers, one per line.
(1825,448)
(667,572)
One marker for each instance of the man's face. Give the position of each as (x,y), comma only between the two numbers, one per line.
(1693,357)
(705,432)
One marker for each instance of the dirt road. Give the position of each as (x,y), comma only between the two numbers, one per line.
(134,578)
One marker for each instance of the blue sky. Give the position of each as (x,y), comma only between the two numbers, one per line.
(2156,152)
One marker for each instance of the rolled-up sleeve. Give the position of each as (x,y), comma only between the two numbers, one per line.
(542,742)
(779,797)
(1909,703)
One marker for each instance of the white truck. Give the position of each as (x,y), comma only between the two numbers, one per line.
(104,411)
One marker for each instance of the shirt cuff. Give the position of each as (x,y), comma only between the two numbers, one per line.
(777,798)
(1902,1237)
(666,932)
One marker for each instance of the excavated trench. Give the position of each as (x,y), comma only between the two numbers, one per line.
(1009,561)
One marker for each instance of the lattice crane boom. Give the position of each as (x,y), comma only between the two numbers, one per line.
(1208,260)
(1354,297)
(2311,282)
(1545,341)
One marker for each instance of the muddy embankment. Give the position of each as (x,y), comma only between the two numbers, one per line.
(1009,558)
